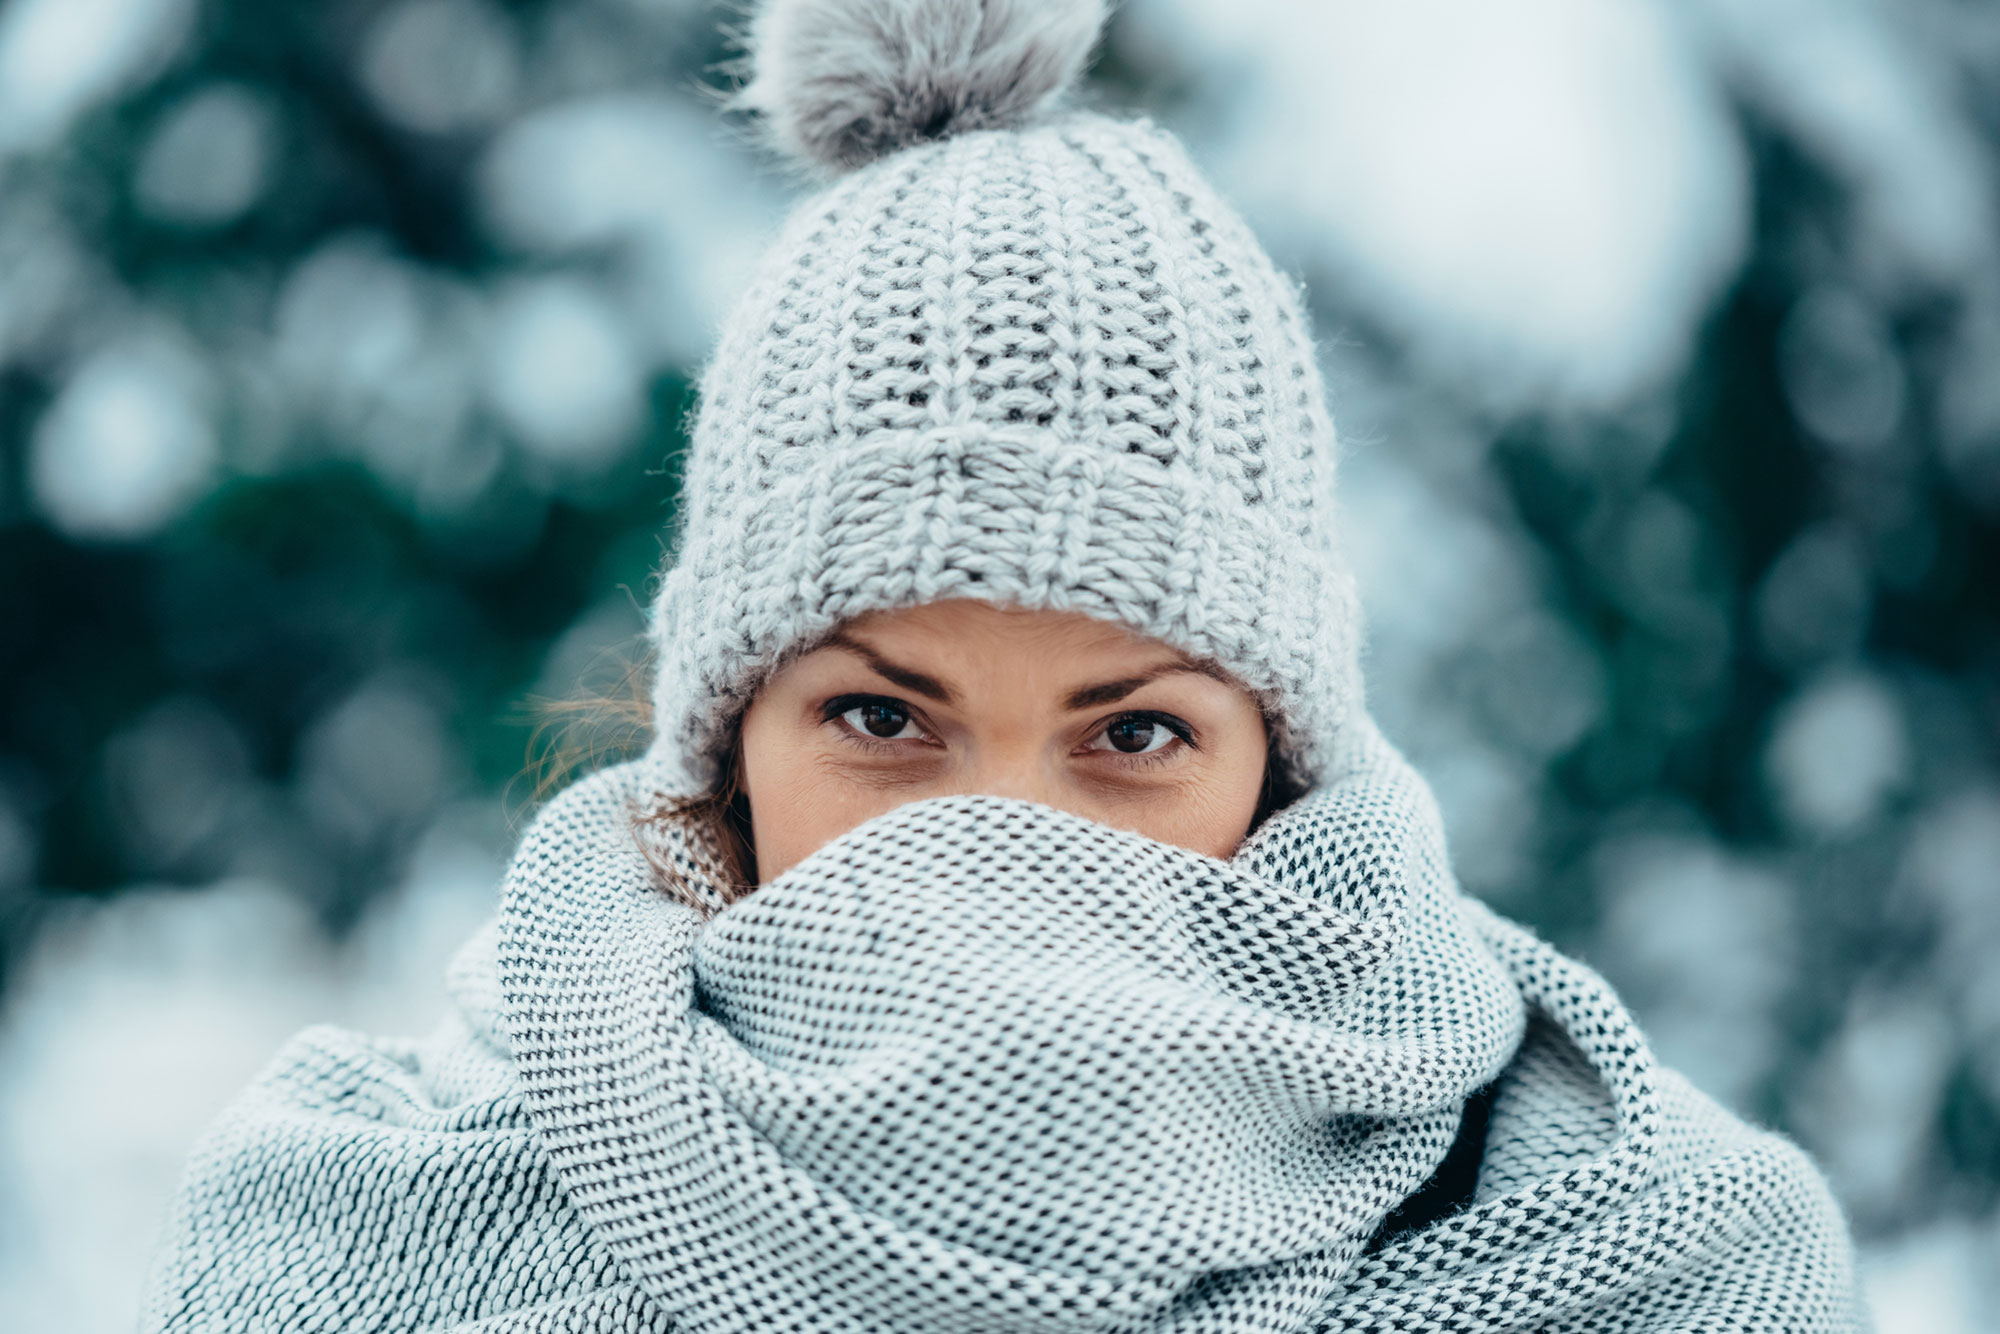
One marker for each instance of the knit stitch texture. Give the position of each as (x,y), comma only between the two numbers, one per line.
(979,1065)
(1045,366)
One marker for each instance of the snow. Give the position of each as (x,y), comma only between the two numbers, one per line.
(128,444)
(211,158)
(138,1019)
(1543,197)
(58,58)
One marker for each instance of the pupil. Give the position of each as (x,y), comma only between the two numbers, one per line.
(883,719)
(1132,734)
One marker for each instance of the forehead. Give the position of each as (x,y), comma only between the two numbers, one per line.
(960,623)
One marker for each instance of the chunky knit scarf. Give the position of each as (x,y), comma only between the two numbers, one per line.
(979,1065)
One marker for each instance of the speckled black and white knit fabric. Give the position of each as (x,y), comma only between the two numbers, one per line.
(980,1065)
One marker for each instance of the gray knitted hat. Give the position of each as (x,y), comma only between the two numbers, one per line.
(1017,352)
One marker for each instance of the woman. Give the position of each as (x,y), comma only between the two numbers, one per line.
(1017,923)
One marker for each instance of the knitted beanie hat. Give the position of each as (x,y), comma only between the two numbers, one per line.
(1014,351)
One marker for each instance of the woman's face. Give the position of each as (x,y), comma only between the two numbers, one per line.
(965,697)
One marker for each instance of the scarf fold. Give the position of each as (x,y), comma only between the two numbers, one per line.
(979,1065)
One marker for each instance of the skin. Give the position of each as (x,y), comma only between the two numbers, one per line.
(961,696)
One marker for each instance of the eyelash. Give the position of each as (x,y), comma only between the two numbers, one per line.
(833,711)
(1164,754)
(840,705)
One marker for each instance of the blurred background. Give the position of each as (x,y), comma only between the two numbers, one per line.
(345,349)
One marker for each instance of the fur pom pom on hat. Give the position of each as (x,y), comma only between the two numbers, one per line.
(1015,351)
(842,82)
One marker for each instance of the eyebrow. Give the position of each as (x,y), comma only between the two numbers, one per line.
(1109,692)
(906,677)
(1085,697)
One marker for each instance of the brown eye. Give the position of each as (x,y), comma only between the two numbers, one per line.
(1136,734)
(879,718)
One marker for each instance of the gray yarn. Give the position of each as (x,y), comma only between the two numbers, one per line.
(842,82)
(981,1065)
(1045,366)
